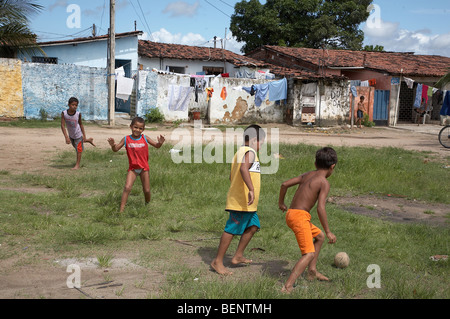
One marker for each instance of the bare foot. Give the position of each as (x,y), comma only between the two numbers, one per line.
(76,168)
(220,269)
(316,275)
(241,260)
(286,290)
(90,141)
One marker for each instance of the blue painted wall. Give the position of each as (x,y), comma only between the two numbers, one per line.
(49,87)
(93,54)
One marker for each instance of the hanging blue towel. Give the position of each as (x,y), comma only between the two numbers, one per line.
(261,93)
(445,110)
(418,99)
(278,90)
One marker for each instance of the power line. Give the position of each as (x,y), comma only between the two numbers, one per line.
(227,4)
(145,19)
(217,8)
(140,19)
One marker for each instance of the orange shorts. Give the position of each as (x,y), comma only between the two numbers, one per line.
(300,223)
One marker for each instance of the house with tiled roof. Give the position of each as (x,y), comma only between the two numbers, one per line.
(383,70)
(184,59)
(160,69)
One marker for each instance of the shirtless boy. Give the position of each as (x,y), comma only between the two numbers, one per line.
(313,187)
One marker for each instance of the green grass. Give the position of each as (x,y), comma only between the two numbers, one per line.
(79,212)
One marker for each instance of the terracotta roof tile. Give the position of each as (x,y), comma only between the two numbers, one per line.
(151,49)
(390,62)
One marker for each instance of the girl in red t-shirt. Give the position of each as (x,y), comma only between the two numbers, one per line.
(136,145)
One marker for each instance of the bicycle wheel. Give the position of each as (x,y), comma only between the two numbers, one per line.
(444,136)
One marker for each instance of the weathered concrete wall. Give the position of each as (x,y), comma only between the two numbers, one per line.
(11,97)
(332,105)
(147,92)
(239,106)
(49,87)
(335,103)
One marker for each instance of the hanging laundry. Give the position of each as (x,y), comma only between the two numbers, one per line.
(223,94)
(124,88)
(445,110)
(425,93)
(209,93)
(430,91)
(278,90)
(364,83)
(418,98)
(225,75)
(355,83)
(120,72)
(261,91)
(249,90)
(409,82)
(373,82)
(179,97)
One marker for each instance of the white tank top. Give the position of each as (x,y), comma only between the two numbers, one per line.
(73,127)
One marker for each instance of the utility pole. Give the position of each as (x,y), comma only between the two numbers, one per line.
(112,63)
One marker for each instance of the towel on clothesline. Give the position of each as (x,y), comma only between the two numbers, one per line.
(261,91)
(124,88)
(418,99)
(179,97)
(409,82)
(425,93)
(278,90)
(445,110)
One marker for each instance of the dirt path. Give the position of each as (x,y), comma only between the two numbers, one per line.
(30,150)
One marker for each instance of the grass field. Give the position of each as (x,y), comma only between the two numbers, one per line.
(77,214)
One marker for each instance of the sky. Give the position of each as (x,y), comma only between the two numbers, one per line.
(401,25)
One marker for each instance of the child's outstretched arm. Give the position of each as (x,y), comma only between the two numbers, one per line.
(283,189)
(158,144)
(116,147)
(321,211)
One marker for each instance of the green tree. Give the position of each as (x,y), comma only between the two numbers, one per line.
(15,34)
(300,23)
(376,48)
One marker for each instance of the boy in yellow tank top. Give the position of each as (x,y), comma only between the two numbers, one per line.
(242,199)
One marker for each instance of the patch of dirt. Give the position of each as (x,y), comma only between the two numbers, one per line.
(47,277)
(395,209)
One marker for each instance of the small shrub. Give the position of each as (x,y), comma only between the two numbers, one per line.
(154,116)
(366,122)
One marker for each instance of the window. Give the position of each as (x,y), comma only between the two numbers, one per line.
(176,69)
(44,59)
(211,70)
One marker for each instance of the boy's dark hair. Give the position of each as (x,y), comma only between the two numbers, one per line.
(325,157)
(137,119)
(73,99)
(254,131)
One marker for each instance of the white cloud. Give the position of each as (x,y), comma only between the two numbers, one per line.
(394,38)
(181,8)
